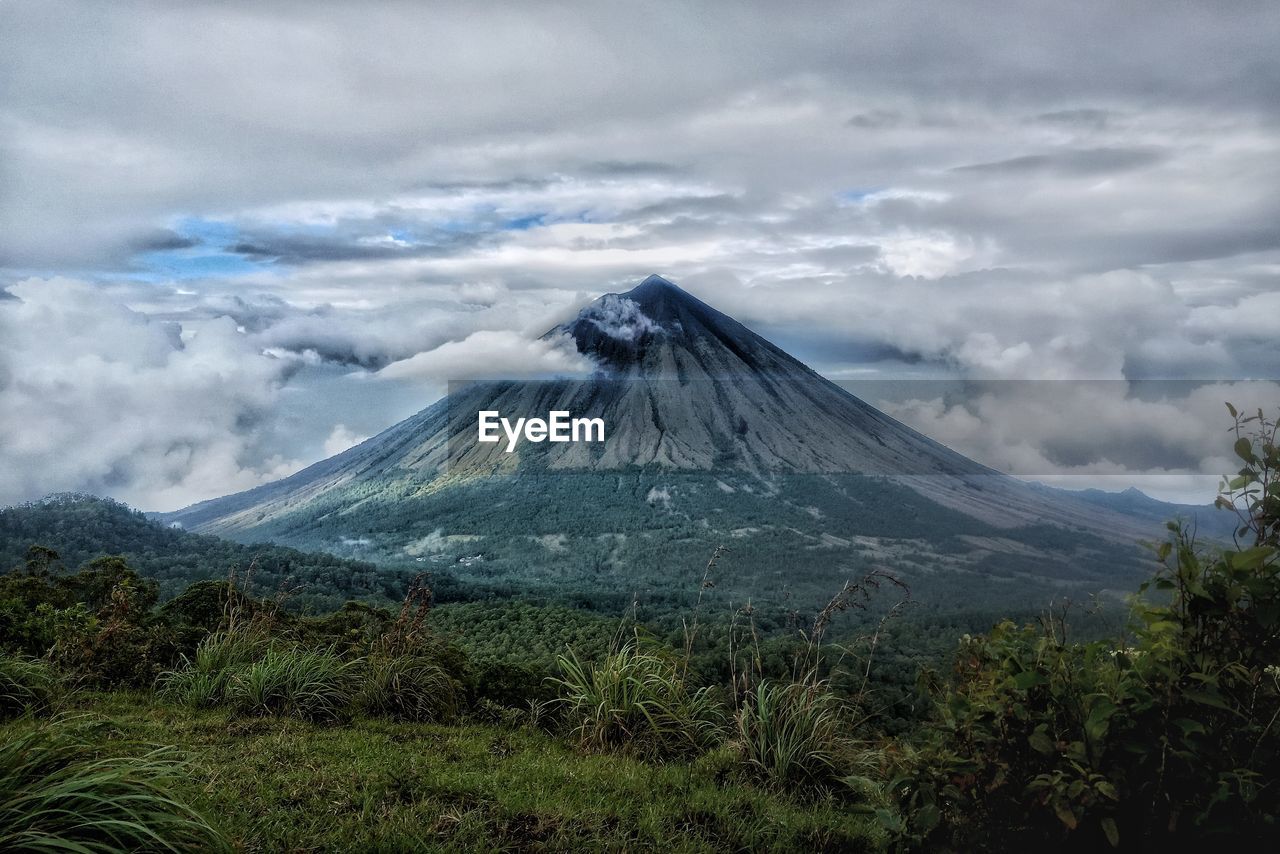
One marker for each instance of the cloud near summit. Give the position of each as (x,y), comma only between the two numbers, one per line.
(493,355)
(281,200)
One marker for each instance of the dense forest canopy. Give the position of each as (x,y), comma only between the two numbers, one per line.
(82,527)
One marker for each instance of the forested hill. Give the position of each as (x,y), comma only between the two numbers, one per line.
(82,527)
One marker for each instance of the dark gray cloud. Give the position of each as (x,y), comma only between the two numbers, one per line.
(1078,162)
(164,240)
(631,167)
(1089,118)
(289,249)
(875,119)
(251,312)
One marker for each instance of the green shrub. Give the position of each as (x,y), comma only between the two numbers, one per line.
(638,700)
(1168,738)
(513,685)
(289,682)
(409,688)
(203,681)
(26,685)
(58,792)
(95,625)
(792,733)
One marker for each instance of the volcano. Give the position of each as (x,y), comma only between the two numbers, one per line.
(715,436)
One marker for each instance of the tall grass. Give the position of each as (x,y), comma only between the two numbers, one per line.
(242,669)
(307,684)
(638,700)
(26,685)
(59,793)
(408,687)
(797,732)
(204,681)
(792,733)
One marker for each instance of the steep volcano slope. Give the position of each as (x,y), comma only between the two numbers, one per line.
(713,434)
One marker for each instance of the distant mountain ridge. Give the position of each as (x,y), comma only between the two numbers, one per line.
(715,435)
(1208,521)
(83,527)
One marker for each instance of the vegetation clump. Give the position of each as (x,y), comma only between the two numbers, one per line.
(408,688)
(638,699)
(1166,735)
(27,686)
(793,733)
(314,685)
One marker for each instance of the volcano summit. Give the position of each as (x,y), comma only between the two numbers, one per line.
(715,436)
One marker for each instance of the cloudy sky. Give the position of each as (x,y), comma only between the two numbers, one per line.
(238,237)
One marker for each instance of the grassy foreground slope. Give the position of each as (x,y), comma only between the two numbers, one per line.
(378,785)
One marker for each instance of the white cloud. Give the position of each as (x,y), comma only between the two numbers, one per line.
(340,439)
(991,325)
(931,255)
(1253,316)
(96,397)
(492,355)
(1172,439)
(619,318)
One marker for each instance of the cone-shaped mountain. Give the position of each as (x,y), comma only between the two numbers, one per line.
(713,435)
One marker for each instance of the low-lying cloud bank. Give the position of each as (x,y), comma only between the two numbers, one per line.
(1168,438)
(96,397)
